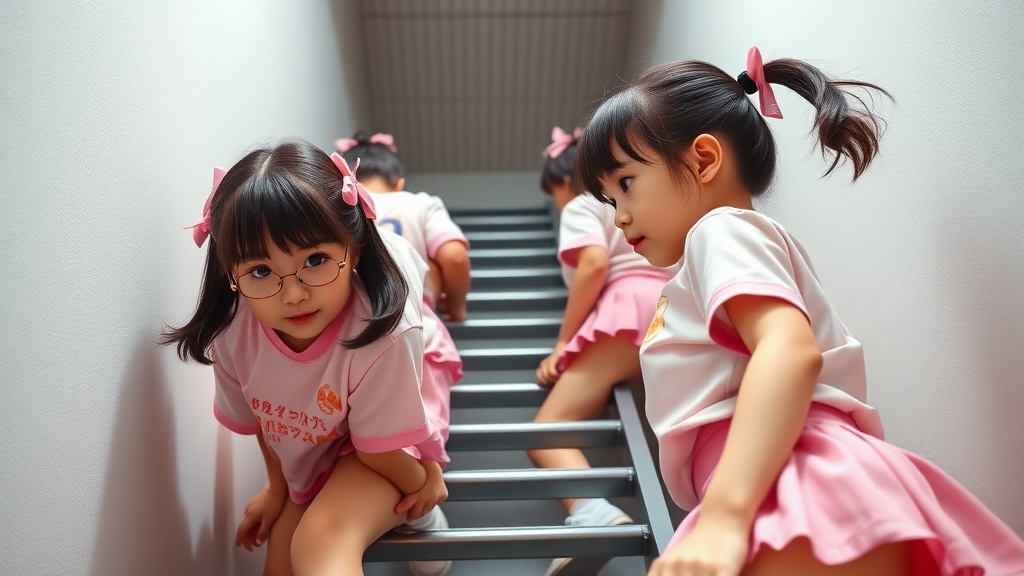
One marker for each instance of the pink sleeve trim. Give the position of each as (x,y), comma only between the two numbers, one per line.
(565,248)
(392,442)
(718,331)
(441,239)
(227,422)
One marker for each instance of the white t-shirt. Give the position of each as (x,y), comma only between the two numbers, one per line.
(586,222)
(315,405)
(692,358)
(419,218)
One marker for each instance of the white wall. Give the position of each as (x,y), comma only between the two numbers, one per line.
(112,115)
(516,188)
(924,256)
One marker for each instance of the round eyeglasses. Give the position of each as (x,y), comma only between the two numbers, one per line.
(261,282)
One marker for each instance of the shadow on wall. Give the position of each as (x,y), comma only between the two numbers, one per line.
(143,525)
(993,317)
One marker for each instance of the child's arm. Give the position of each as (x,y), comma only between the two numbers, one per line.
(422,483)
(264,509)
(591,272)
(772,405)
(453,258)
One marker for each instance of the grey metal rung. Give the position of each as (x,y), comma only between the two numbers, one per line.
(495,257)
(498,395)
(536,484)
(511,543)
(512,239)
(507,278)
(485,328)
(517,300)
(503,358)
(470,212)
(534,435)
(502,220)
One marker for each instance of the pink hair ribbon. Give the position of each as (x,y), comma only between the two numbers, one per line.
(560,140)
(351,190)
(201,229)
(755,70)
(344,144)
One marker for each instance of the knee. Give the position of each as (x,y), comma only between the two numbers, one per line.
(318,532)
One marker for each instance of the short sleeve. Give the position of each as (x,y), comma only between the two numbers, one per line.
(229,403)
(580,226)
(385,408)
(439,227)
(735,253)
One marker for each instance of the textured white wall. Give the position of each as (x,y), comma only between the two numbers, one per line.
(112,115)
(924,256)
(513,188)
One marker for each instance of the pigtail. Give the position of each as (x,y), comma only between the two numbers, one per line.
(384,283)
(843,130)
(216,309)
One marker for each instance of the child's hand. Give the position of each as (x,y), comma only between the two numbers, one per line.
(451,311)
(433,493)
(714,548)
(547,372)
(261,513)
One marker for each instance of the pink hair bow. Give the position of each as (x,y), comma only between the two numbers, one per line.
(755,69)
(201,229)
(351,190)
(560,140)
(344,144)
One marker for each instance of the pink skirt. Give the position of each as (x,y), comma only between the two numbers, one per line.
(626,308)
(849,493)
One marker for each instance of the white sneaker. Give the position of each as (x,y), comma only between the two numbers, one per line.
(433,520)
(588,512)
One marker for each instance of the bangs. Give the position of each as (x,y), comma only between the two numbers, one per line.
(620,117)
(287,209)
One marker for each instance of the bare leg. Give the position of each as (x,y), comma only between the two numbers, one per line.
(355,507)
(279,543)
(886,560)
(581,393)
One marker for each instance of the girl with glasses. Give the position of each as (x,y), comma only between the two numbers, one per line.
(311,320)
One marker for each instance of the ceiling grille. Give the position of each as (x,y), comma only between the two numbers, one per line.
(477,85)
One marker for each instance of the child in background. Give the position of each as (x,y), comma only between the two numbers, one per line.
(424,222)
(419,218)
(311,320)
(756,390)
(613,293)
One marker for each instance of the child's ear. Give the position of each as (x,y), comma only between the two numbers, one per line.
(399,185)
(707,151)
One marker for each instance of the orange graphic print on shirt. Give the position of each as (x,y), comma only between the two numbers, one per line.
(659,320)
(327,400)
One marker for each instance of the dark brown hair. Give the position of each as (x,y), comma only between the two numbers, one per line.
(559,169)
(375,159)
(671,104)
(291,192)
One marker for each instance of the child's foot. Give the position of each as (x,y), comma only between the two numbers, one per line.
(588,512)
(433,520)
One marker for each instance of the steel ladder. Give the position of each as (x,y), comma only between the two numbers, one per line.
(504,513)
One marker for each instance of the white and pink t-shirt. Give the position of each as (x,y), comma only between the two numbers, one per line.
(586,222)
(316,405)
(420,218)
(692,358)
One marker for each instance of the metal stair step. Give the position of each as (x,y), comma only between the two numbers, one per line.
(503,223)
(517,300)
(534,326)
(534,435)
(503,358)
(512,257)
(472,212)
(512,239)
(510,543)
(508,278)
(538,484)
(498,395)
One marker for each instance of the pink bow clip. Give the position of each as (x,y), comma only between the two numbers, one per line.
(755,69)
(351,190)
(201,230)
(344,144)
(560,140)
